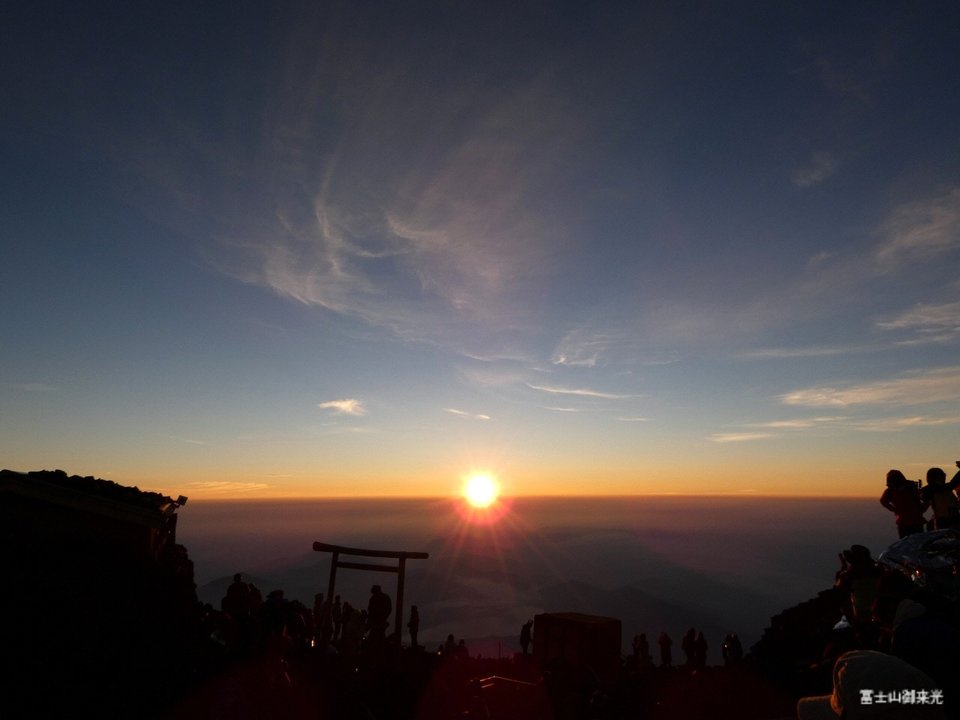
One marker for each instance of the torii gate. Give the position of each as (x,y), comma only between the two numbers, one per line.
(399,568)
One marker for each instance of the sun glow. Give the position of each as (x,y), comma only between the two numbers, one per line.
(481,490)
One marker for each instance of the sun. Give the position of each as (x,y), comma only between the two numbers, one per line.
(481,490)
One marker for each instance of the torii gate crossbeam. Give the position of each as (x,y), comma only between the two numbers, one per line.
(399,568)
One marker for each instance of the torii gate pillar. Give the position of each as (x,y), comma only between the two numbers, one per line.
(399,568)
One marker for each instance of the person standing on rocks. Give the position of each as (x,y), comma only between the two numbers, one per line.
(902,498)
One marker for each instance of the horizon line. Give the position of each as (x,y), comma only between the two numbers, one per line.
(572,496)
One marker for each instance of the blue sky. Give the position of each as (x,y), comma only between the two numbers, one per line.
(364,248)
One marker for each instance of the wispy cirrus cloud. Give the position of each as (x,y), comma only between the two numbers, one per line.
(225,487)
(33,387)
(761,430)
(799,423)
(928,323)
(607,345)
(737,437)
(464,413)
(584,348)
(818,168)
(423,207)
(909,233)
(803,352)
(922,387)
(922,229)
(904,423)
(579,392)
(347,406)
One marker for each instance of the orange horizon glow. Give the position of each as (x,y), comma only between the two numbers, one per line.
(520,496)
(298,482)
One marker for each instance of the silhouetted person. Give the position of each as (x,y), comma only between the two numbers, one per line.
(902,497)
(240,604)
(929,643)
(645,658)
(322,622)
(336,614)
(666,650)
(413,625)
(352,635)
(687,645)
(450,646)
(237,601)
(641,650)
(858,581)
(732,649)
(378,611)
(526,635)
(939,494)
(273,613)
(461,651)
(700,651)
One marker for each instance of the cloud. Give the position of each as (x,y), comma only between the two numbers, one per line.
(589,347)
(227,487)
(347,406)
(852,275)
(751,435)
(579,392)
(922,229)
(820,166)
(562,409)
(732,437)
(576,360)
(463,413)
(582,348)
(904,423)
(930,323)
(820,258)
(801,352)
(493,374)
(424,205)
(33,387)
(931,386)
(799,424)
(334,428)
(846,80)
(633,419)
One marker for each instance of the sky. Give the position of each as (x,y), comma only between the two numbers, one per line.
(287,249)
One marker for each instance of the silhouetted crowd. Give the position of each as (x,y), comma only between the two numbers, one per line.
(694,647)
(909,500)
(132,641)
(895,644)
(248,624)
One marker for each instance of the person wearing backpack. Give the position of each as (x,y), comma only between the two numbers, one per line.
(903,499)
(939,494)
